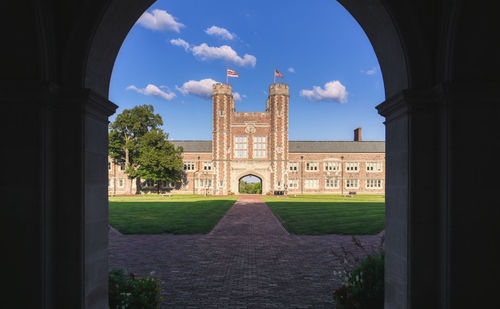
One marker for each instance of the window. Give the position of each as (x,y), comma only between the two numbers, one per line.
(109,166)
(221,113)
(122,166)
(259,146)
(204,183)
(149,183)
(221,183)
(352,183)
(293,183)
(331,183)
(373,166)
(312,166)
(207,166)
(293,166)
(189,166)
(279,149)
(332,166)
(312,184)
(279,113)
(240,146)
(352,166)
(120,183)
(374,183)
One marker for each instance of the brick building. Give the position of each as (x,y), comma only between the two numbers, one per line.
(256,143)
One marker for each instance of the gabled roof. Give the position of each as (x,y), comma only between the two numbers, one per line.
(194,146)
(336,147)
(301,146)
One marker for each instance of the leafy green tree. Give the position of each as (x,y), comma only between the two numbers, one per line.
(125,132)
(158,159)
(250,188)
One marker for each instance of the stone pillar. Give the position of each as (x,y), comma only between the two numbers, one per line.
(439,230)
(223,109)
(54,155)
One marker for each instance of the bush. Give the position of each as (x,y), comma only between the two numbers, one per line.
(364,287)
(131,292)
(362,279)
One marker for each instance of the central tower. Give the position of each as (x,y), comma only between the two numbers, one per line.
(250,143)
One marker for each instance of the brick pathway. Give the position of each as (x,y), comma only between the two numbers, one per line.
(247,261)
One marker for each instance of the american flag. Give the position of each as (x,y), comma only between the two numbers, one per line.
(277,73)
(232,73)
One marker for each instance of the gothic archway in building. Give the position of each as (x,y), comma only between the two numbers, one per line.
(250,184)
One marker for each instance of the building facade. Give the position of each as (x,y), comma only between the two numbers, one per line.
(256,144)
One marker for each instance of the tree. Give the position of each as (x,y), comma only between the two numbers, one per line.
(158,159)
(125,132)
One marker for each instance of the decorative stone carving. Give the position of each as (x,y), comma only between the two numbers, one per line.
(250,128)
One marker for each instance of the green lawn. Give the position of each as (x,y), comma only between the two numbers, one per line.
(327,214)
(179,214)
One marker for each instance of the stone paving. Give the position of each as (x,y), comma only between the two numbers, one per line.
(247,261)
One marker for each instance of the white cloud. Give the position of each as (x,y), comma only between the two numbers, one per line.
(205,52)
(291,70)
(237,96)
(180,42)
(371,71)
(333,91)
(201,88)
(159,20)
(220,33)
(152,90)
(225,52)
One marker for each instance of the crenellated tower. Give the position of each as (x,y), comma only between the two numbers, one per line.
(277,106)
(223,107)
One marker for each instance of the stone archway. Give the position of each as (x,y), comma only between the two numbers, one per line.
(264,179)
(251,175)
(384,36)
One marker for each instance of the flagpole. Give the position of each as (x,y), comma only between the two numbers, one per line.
(274,73)
(227,79)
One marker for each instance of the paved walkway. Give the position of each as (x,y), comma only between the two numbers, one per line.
(247,261)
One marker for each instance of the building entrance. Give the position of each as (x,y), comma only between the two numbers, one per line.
(250,184)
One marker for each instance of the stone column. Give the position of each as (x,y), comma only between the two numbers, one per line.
(412,238)
(54,158)
(439,230)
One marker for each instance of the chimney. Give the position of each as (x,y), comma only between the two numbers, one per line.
(357,135)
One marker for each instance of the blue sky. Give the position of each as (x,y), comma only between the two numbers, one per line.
(178,48)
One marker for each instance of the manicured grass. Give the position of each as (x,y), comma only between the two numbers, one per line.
(179,214)
(330,214)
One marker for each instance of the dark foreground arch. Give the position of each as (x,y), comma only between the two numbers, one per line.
(439,60)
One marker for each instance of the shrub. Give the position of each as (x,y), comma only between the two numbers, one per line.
(362,282)
(128,291)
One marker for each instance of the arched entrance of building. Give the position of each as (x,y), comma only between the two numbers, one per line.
(250,184)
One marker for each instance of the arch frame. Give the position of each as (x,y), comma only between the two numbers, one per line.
(254,175)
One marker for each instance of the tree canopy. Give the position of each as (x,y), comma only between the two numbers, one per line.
(158,159)
(125,131)
(250,188)
(136,139)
